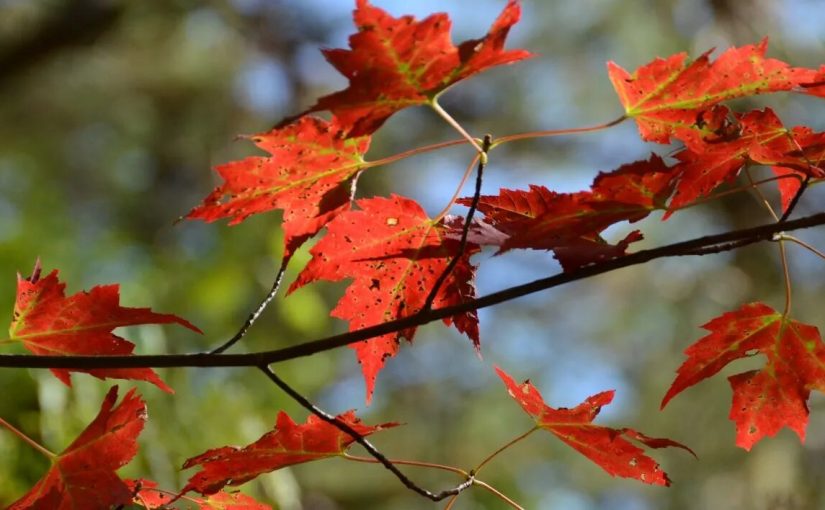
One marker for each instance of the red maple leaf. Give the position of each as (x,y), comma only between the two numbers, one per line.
(148,496)
(665,94)
(83,475)
(47,322)
(287,444)
(815,86)
(607,447)
(395,253)
(571,223)
(789,184)
(309,174)
(760,138)
(395,63)
(764,400)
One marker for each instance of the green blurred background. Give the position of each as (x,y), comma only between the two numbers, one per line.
(112,114)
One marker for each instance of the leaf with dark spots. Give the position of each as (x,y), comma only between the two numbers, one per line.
(394,253)
(309,175)
(765,400)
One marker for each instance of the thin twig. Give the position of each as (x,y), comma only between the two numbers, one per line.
(498,494)
(451,503)
(413,152)
(250,320)
(443,212)
(558,132)
(465,230)
(454,123)
(414,463)
(783,257)
(31,442)
(800,242)
(502,448)
(760,196)
(343,427)
(699,246)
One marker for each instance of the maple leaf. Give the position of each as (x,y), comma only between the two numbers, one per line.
(309,174)
(395,63)
(570,223)
(83,475)
(665,94)
(47,322)
(395,253)
(286,445)
(584,252)
(764,400)
(815,85)
(788,186)
(148,496)
(607,447)
(760,138)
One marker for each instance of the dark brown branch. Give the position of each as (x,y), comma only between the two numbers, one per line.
(465,230)
(703,245)
(372,450)
(250,320)
(795,200)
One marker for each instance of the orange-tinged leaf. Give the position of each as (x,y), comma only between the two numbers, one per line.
(150,497)
(395,253)
(760,137)
(286,445)
(665,94)
(607,447)
(47,322)
(815,86)
(570,224)
(766,400)
(309,175)
(395,63)
(83,475)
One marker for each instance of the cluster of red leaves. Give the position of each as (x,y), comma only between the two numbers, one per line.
(394,253)
(83,475)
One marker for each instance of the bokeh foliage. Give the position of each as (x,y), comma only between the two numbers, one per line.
(113,112)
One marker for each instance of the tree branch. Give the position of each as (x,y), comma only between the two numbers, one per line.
(703,245)
(332,420)
(250,320)
(465,230)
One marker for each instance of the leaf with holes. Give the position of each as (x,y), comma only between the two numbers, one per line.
(395,63)
(47,322)
(286,445)
(570,224)
(607,447)
(667,94)
(759,137)
(83,475)
(764,400)
(395,253)
(310,174)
